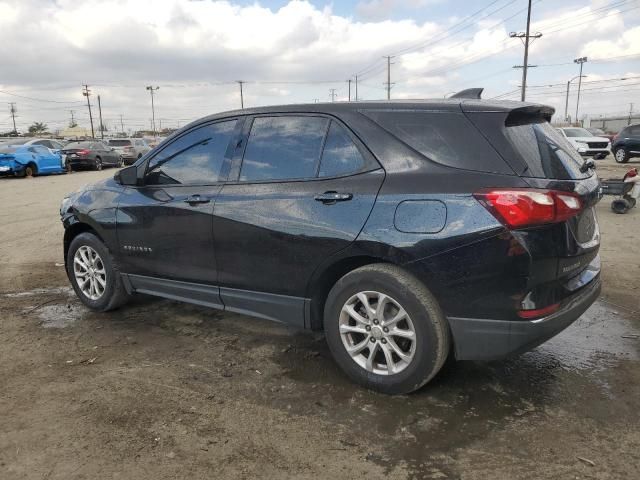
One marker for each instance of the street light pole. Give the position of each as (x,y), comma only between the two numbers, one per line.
(566,100)
(153,112)
(579,61)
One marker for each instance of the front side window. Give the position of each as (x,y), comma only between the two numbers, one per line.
(285,147)
(193,159)
(340,155)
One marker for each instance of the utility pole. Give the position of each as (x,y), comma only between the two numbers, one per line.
(121,123)
(241,82)
(13,111)
(388,82)
(356,88)
(566,100)
(100,115)
(86,92)
(349,82)
(579,61)
(332,94)
(525,36)
(628,123)
(152,89)
(73,118)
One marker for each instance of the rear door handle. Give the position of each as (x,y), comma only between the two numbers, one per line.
(329,198)
(196,199)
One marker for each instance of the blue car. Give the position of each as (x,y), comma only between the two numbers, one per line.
(29,161)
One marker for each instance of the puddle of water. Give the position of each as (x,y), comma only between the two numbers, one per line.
(40,291)
(60,316)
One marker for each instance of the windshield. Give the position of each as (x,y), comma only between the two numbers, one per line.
(119,143)
(596,131)
(577,132)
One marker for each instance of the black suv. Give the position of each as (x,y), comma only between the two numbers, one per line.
(626,144)
(406,231)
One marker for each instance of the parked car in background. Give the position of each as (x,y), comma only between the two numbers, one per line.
(626,144)
(598,132)
(130,149)
(29,160)
(91,155)
(370,221)
(585,143)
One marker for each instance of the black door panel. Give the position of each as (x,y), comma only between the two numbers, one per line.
(270,237)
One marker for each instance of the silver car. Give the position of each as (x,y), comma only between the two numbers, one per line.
(130,149)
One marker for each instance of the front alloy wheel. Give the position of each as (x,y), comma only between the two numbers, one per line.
(89,272)
(621,155)
(377,333)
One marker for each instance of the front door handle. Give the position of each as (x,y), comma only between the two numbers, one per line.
(196,199)
(329,198)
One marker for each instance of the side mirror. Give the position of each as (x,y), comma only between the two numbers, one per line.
(127,176)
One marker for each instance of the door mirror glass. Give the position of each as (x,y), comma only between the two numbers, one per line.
(127,176)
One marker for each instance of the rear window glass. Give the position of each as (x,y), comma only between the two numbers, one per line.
(340,155)
(544,151)
(119,143)
(444,137)
(79,145)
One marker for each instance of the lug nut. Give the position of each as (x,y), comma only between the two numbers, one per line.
(373,340)
(384,340)
(375,321)
(385,329)
(367,328)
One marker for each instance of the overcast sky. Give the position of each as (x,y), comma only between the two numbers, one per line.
(296,51)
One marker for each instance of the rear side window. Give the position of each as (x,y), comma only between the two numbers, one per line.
(634,130)
(284,147)
(443,137)
(545,153)
(193,159)
(340,155)
(119,143)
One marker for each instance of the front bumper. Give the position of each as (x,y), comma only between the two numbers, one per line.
(595,152)
(479,339)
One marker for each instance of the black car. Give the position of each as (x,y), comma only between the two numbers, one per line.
(407,231)
(626,144)
(91,155)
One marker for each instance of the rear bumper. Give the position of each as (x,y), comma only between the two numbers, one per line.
(81,163)
(479,339)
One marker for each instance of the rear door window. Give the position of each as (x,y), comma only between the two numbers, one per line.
(283,147)
(193,159)
(340,155)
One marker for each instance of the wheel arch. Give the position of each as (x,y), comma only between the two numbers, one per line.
(324,279)
(75,229)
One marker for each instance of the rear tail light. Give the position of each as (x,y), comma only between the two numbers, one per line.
(538,312)
(83,152)
(518,208)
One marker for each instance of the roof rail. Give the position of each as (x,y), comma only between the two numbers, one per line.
(473,93)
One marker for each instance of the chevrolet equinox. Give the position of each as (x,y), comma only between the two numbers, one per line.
(407,231)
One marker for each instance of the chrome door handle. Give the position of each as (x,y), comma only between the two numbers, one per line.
(332,197)
(196,199)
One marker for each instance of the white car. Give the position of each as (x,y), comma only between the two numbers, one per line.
(585,143)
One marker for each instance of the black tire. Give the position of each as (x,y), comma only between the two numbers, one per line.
(31,170)
(431,329)
(98,163)
(114,294)
(621,155)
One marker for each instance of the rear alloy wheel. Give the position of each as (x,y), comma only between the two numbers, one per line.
(385,329)
(98,163)
(621,155)
(30,170)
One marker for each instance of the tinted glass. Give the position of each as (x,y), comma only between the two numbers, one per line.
(195,158)
(283,148)
(443,137)
(544,151)
(596,132)
(79,145)
(576,132)
(633,130)
(340,155)
(119,143)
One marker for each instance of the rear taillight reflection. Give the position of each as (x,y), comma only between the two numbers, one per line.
(518,208)
(538,312)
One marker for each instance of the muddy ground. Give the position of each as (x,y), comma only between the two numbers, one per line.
(165,390)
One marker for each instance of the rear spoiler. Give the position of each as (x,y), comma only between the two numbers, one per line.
(524,115)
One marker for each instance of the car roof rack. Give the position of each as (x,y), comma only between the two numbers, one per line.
(472,93)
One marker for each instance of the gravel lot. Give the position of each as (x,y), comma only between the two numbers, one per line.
(165,390)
